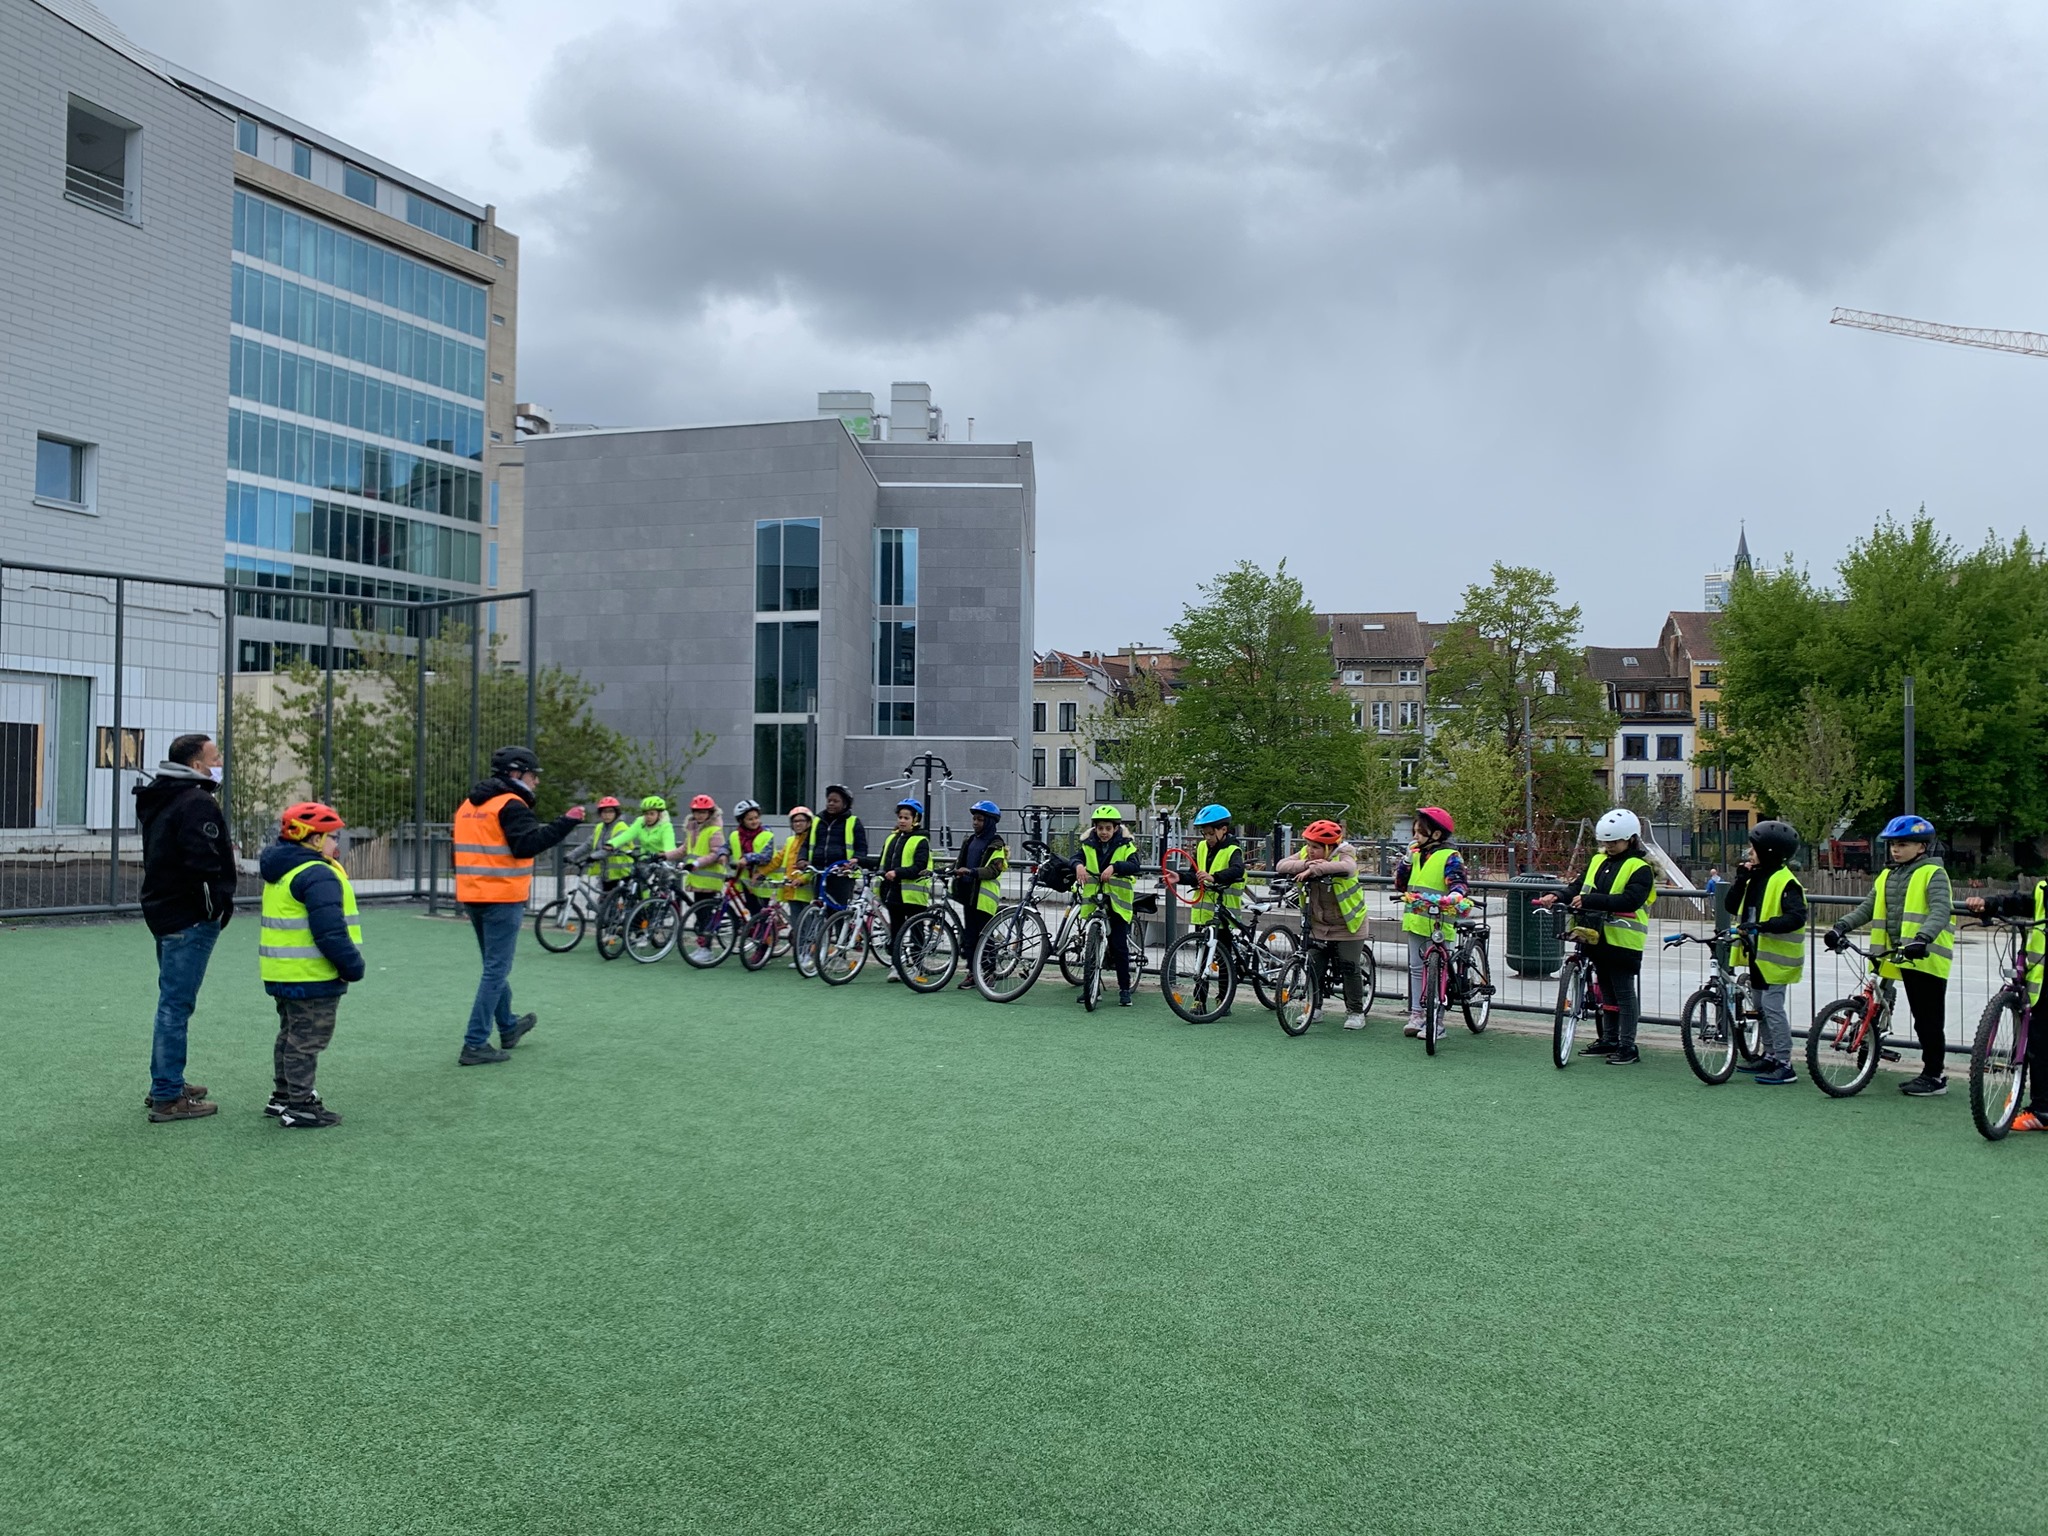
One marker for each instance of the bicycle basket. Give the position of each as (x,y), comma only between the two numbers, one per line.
(1056,873)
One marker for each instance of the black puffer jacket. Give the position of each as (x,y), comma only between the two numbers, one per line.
(188,863)
(525,833)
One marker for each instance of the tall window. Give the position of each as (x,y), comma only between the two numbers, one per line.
(1038,719)
(100,159)
(1410,714)
(896,567)
(1038,767)
(1411,769)
(782,765)
(786,668)
(1631,699)
(895,647)
(1070,717)
(786,566)
(896,653)
(1383,716)
(1710,717)
(1070,768)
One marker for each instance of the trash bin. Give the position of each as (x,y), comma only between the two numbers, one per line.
(1535,944)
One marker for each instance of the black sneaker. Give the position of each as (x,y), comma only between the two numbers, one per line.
(307,1117)
(1761,1064)
(1776,1074)
(1624,1056)
(1600,1048)
(1925,1087)
(482,1056)
(1123,998)
(521,1028)
(278,1101)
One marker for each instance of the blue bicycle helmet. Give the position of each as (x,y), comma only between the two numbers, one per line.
(987,808)
(1909,829)
(1209,815)
(915,807)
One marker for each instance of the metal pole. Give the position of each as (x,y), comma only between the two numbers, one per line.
(1528,785)
(532,673)
(476,664)
(1908,807)
(114,788)
(419,753)
(327,713)
(227,710)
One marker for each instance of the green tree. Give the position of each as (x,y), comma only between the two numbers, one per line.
(1477,780)
(1256,721)
(1807,771)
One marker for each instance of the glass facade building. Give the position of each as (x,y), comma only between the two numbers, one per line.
(356,424)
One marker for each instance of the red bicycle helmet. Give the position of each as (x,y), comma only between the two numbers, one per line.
(608,803)
(309,818)
(1325,832)
(1440,817)
(703,803)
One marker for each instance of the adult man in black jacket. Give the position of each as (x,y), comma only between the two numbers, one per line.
(188,895)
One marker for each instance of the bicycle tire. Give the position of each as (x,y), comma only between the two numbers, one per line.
(611,923)
(1297,995)
(711,931)
(1198,984)
(552,922)
(1476,982)
(1432,1000)
(1010,954)
(1070,951)
(762,939)
(1274,948)
(1711,1039)
(1749,1026)
(651,930)
(1094,941)
(1996,1079)
(842,949)
(803,948)
(1827,1055)
(926,954)
(1564,1018)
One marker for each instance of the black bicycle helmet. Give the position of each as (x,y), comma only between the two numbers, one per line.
(514,760)
(1774,839)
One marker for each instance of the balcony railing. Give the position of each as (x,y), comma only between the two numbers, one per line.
(107,192)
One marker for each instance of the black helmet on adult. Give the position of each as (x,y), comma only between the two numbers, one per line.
(514,760)
(841,791)
(1774,839)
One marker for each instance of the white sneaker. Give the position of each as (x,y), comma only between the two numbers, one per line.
(1314,1015)
(1413,1028)
(1354,1021)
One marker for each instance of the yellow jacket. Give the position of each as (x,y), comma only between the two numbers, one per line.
(787,872)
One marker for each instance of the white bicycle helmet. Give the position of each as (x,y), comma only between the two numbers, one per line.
(1618,826)
(743,807)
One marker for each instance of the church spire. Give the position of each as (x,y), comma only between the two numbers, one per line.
(1742,560)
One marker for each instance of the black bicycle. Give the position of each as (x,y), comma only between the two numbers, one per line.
(1201,972)
(930,943)
(1720,1025)
(1014,945)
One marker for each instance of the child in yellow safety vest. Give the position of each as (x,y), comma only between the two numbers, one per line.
(1911,909)
(1431,878)
(906,868)
(1336,908)
(308,955)
(1769,909)
(750,851)
(1612,899)
(2033,904)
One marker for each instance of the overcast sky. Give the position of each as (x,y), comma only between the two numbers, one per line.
(1391,288)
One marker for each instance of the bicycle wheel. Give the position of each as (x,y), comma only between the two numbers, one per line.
(762,940)
(1094,942)
(842,948)
(1432,999)
(1009,955)
(1709,1036)
(1275,947)
(1749,1026)
(559,926)
(1297,994)
(1070,949)
(651,930)
(1477,985)
(1564,1018)
(612,913)
(711,931)
(803,947)
(927,951)
(1996,1072)
(1841,1049)
(1197,976)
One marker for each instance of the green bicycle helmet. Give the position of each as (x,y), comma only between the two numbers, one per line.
(653,803)
(1107,813)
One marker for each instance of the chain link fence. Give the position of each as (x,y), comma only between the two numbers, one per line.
(384,706)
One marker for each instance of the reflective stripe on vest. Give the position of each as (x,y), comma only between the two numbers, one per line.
(2037,943)
(285,951)
(1624,930)
(848,826)
(1940,952)
(1350,896)
(989,891)
(1780,957)
(485,870)
(899,853)
(700,844)
(1207,862)
(1429,879)
(618,838)
(1120,887)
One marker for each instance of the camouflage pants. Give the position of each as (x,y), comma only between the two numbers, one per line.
(304,1026)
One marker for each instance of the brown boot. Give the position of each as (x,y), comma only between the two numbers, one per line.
(192,1091)
(181,1109)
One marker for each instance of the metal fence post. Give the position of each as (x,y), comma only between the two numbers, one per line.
(419,757)
(227,706)
(114,788)
(532,671)
(476,662)
(327,712)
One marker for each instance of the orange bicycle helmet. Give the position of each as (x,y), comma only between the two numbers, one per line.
(309,818)
(608,803)
(1326,832)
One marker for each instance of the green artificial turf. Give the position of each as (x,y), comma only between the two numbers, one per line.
(730,1253)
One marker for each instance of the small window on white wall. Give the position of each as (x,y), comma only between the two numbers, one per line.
(64,472)
(101,159)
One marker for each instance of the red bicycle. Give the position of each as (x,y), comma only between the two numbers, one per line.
(1847,1041)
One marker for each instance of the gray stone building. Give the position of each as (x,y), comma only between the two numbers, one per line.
(825,601)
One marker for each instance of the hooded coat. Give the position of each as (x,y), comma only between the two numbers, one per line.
(188,861)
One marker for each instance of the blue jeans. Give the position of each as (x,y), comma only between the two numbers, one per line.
(497,925)
(180,968)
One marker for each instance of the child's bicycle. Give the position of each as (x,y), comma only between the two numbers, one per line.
(1720,1025)
(1014,943)
(1578,990)
(767,937)
(713,924)
(929,946)
(1201,972)
(1458,975)
(1847,1040)
(1304,976)
(558,926)
(1998,1056)
(847,935)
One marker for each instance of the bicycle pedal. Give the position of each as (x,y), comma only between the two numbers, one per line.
(1884,1055)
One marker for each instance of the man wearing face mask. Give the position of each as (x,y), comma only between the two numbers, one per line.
(188,895)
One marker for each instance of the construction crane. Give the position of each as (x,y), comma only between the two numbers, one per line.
(2026,343)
